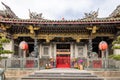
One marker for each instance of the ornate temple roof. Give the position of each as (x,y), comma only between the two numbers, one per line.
(8,16)
(84,21)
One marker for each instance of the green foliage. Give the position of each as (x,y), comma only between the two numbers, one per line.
(5,52)
(0,45)
(117,41)
(115,57)
(116,47)
(2,51)
(3,58)
(4,40)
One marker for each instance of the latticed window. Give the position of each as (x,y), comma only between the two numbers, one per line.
(80,51)
(46,51)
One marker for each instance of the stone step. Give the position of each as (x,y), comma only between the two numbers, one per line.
(71,74)
(49,76)
(60,74)
(62,78)
(63,73)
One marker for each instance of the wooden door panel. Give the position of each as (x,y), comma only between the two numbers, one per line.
(63,62)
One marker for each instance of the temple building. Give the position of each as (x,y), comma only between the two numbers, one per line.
(62,40)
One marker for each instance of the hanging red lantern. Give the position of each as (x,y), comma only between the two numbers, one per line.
(103,45)
(23,45)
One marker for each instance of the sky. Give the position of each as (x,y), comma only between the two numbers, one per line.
(58,9)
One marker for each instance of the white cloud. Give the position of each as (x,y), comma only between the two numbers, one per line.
(107,7)
(56,9)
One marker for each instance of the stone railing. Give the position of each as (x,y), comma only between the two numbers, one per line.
(36,63)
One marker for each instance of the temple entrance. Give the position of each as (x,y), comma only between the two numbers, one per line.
(63,56)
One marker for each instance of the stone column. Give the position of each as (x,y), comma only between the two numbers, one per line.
(50,51)
(71,51)
(85,51)
(19,52)
(55,51)
(54,55)
(76,51)
(40,51)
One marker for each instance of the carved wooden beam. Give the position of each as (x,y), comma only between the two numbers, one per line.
(49,37)
(32,28)
(93,29)
(15,36)
(4,27)
(4,34)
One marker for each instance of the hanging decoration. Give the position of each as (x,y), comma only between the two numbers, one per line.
(23,45)
(103,45)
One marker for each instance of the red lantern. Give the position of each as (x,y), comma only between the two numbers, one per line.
(23,45)
(103,45)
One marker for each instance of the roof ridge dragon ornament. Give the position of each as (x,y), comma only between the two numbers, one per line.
(34,15)
(7,13)
(116,12)
(91,15)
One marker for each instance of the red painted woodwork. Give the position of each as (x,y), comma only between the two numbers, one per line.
(97,64)
(29,64)
(103,45)
(63,62)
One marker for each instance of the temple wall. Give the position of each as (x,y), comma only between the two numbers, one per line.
(49,50)
(80,51)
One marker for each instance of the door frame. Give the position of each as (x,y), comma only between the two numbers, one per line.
(69,54)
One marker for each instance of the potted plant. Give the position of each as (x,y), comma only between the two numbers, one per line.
(116,46)
(81,64)
(115,57)
(51,62)
(4,40)
(74,62)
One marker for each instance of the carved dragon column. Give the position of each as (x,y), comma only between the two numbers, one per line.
(92,31)
(32,31)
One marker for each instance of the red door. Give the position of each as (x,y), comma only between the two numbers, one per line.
(63,62)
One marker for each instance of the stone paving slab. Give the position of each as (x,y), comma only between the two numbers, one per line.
(62,70)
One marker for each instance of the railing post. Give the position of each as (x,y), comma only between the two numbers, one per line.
(21,63)
(106,60)
(88,63)
(4,64)
(38,63)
